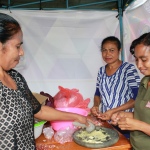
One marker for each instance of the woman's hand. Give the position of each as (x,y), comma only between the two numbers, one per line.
(129,124)
(95,111)
(82,119)
(114,118)
(107,115)
(118,115)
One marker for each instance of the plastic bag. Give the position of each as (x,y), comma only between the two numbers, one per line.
(48,132)
(64,135)
(50,99)
(70,98)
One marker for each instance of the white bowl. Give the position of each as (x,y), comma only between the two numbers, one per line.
(38,127)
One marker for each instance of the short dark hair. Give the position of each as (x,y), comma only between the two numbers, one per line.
(8,27)
(143,39)
(111,39)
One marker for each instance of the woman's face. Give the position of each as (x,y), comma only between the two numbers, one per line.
(11,51)
(142,58)
(110,52)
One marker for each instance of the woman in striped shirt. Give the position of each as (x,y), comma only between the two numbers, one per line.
(117,82)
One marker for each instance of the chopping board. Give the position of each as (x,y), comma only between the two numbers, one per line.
(99,138)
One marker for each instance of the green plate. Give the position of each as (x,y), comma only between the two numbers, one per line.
(37,124)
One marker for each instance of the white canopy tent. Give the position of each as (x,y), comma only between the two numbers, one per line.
(62,47)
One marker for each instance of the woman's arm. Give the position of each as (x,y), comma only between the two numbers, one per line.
(95,108)
(127,105)
(108,114)
(144,127)
(133,124)
(51,114)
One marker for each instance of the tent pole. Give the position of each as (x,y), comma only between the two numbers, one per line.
(30,3)
(120,11)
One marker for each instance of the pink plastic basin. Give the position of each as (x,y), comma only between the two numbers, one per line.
(56,125)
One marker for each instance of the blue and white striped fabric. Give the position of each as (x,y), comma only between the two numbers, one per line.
(118,88)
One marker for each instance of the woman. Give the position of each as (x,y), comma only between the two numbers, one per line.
(18,106)
(139,121)
(117,82)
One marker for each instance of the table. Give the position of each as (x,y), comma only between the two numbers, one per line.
(44,144)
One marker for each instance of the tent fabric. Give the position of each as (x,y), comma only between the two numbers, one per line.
(62,47)
(136,22)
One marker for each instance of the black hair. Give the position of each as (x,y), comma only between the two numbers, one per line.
(112,39)
(8,27)
(143,39)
